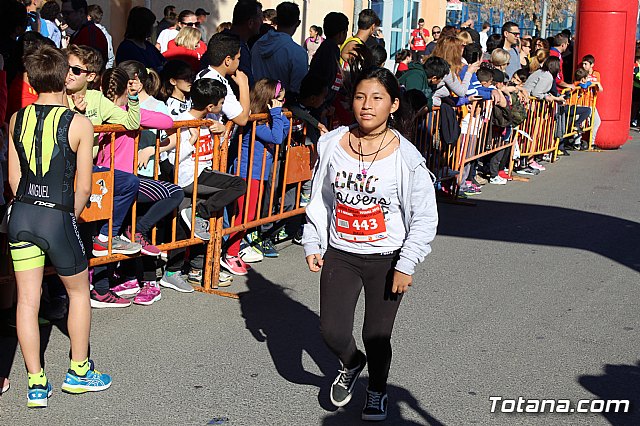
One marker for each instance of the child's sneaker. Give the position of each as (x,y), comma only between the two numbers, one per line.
(147,248)
(535,165)
(375,407)
(107,300)
(176,281)
(118,246)
(268,249)
(38,395)
(304,199)
(195,276)
(202,226)
(342,387)
(92,381)
(225,279)
(127,288)
(233,264)
(248,254)
(149,294)
(497,180)
(505,175)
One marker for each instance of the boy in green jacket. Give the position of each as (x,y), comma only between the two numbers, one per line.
(85,64)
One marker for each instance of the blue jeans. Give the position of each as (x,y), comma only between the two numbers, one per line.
(125,189)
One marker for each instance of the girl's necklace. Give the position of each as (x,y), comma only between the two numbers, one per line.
(371,135)
(361,161)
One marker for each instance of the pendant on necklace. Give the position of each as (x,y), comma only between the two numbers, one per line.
(363,174)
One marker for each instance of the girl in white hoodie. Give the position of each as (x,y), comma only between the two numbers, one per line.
(370,220)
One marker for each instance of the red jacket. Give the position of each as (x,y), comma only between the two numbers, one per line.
(192,57)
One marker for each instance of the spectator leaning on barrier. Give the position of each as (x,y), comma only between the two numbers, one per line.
(588,63)
(85,65)
(94,14)
(276,56)
(216,189)
(267,97)
(82,31)
(450,49)
(223,53)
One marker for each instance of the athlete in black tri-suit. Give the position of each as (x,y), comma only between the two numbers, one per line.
(50,151)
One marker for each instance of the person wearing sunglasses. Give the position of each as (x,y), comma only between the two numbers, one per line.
(435,32)
(85,64)
(511,41)
(186,18)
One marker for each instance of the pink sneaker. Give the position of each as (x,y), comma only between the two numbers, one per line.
(149,294)
(127,288)
(535,165)
(234,264)
(147,248)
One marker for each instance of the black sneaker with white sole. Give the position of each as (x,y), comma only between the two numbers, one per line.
(375,407)
(342,387)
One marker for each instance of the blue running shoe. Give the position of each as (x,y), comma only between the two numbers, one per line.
(93,381)
(38,395)
(268,249)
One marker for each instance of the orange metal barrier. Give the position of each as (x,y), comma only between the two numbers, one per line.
(584,98)
(536,135)
(296,168)
(478,139)
(293,165)
(442,158)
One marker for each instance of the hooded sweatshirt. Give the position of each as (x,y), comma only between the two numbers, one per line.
(276,56)
(415,192)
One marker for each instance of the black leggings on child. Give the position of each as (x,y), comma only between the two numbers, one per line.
(342,279)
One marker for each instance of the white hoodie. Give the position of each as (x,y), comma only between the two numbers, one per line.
(415,191)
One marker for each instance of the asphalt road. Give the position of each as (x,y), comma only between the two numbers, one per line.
(532,293)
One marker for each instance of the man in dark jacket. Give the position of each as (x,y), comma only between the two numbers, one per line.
(325,62)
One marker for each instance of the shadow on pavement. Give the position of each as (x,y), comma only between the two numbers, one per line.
(618,382)
(612,237)
(289,328)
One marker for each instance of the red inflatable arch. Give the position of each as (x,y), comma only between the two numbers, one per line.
(606,29)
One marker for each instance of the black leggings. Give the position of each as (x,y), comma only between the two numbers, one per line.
(343,276)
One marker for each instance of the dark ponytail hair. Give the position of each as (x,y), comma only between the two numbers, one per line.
(402,119)
(149,78)
(174,69)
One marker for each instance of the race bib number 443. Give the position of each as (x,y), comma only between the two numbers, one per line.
(360,225)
